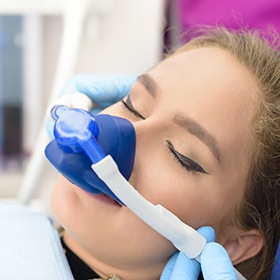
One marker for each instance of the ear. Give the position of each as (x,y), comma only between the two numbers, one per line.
(245,246)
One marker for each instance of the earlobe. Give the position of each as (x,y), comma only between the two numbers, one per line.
(245,246)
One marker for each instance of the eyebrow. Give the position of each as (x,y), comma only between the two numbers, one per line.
(149,84)
(186,123)
(200,132)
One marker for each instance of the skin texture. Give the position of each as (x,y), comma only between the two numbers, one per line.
(208,87)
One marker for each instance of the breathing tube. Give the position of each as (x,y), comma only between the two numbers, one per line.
(96,153)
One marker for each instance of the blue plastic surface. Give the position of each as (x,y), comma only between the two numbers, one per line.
(82,139)
(276,268)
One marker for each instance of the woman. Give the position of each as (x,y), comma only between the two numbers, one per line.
(207,127)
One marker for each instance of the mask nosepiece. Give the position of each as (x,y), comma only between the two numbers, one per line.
(82,139)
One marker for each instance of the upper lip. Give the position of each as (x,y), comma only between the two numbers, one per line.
(109,197)
(117,202)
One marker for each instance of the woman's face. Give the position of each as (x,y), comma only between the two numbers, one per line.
(192,116)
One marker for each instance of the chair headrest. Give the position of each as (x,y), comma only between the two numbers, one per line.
(276,268)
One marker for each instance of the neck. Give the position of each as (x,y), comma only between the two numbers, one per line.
(105,269)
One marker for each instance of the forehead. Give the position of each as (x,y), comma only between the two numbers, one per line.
(212,74)
(212,65)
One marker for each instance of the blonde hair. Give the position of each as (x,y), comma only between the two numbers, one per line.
(259,208)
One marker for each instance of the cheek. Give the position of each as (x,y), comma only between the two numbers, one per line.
(60,193)
(196,199)
(64,202)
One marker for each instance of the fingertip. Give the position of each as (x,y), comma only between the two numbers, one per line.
(84,84)
(217,254)
(186,268)
(168,269)
(217,248)
(208,232)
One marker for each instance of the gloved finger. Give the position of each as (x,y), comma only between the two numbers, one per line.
(216,263)
(105,88)
(167,271)
(208,232)
(70,86)
(185,268)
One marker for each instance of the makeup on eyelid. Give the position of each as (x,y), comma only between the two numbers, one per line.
(128,105)
(184,161)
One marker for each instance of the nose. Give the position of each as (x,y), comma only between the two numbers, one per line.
(149,133)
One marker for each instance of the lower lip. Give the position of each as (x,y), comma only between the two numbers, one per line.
(104,198)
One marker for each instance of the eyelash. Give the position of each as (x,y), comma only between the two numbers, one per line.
(184,161)
(130,108)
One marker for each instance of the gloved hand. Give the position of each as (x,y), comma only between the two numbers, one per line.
(93,92)
(215,262)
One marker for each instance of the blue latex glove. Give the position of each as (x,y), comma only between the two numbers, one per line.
(215,262)
(103,90)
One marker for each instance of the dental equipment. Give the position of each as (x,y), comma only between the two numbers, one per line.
(107,145)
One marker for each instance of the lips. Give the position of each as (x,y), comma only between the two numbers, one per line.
(104,198)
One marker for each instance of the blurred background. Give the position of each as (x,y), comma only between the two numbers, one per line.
(43,43)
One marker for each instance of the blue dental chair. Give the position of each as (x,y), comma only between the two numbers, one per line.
(276,268)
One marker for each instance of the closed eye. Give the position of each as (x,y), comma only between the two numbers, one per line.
(184,161)
(128,105)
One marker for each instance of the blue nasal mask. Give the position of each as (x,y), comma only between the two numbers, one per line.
(82,139)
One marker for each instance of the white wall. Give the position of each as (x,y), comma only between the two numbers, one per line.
(125,39)
(129,38)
